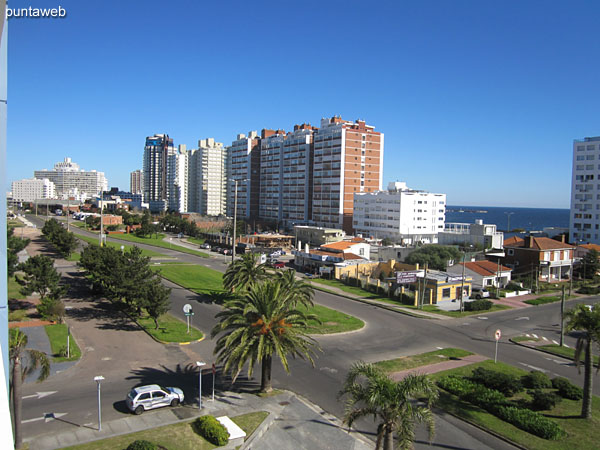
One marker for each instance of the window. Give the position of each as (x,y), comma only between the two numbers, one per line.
(589,167)
(158,394)
(580,167)
(580,157)
(511,252)
(446,293)
(589,157)
(145,396)
(580,148)
(361,251)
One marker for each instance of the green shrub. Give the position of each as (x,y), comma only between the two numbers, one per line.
(505,383)
(212,430)
(536,380)
(588,290)
(456,385)
(141,444)
(478,305)
(17,315)
(512,287)
(543,401)
(530,421)
(566,389)
(485,398)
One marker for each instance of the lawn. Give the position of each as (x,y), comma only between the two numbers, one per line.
(15,223)
(565,352)
(434,309)
(332,321)
(423,359)
(199,279)
(91,240)
(580,432)
(14,289)
(75,256)
(195,240)
(57,334)
(352,289)
(157,242)
(170,329)
(544,300)
(180,436)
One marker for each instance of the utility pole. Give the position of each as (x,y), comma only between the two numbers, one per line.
(562,318)
(68,209)
(571,276)
(234,222)
(101,218)
(462,284)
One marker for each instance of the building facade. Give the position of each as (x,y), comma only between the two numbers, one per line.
(271,164)
(211,177)
(584,220)
(71,181)
(30,190)
(296,175)
(243,165)
(404,215)
(550,259)
(136,182)
(348,159)
(478,233)
(317,235)
(158,153)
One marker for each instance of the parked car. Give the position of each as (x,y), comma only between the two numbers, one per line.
(275,254)
(278,264)
(479,293)
(205,246)
(152,396)
(216,249)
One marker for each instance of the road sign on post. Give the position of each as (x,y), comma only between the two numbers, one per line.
(187,310)
(497,336)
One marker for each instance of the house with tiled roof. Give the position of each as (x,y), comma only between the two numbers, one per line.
(550,259)
(484,273)
(336,254)
(583,249)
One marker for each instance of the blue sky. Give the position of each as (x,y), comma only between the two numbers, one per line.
(478,100)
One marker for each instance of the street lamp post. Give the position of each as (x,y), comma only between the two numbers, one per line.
(101,217)
(98,381)
(200,364)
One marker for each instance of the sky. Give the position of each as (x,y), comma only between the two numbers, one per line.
(477,100)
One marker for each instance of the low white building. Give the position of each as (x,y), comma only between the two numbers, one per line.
(477,233)
(404,215)
(29,190)
(484,273)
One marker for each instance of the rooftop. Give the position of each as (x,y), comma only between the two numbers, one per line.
(537,243)
(485,268)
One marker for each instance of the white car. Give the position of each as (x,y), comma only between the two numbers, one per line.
(152,396)
(275,254)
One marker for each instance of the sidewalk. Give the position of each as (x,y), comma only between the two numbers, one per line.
(293,423)
(439,367)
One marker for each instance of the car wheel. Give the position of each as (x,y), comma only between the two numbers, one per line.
(139,410)
(478,297)
(174,402)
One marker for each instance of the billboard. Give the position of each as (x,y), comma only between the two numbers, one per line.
(406,277)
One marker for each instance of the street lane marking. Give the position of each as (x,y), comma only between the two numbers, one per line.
(39,395)
(533,367)
(555,343)
(482,318)
(523,318)
(534,335)
(544,338)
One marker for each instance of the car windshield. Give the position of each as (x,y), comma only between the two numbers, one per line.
(165,389)
(132,394)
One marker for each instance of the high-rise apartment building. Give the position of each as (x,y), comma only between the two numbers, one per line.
(243,165)
(30,190)
(584,220)
(158,152)
(71,181)
(136,182)
(296,182)
(208,174)
(348,159)
(405,215)
(270,201)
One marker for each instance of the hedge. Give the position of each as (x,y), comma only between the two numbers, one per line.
(478,305)
(530,421)
(505,383)
(566,389)
(536,380)
(212,430)
(141,444)
(543,401)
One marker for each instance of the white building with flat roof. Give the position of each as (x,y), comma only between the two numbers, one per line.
(30,190)
(478,233)
(402,214)
(69,180)
(584,219)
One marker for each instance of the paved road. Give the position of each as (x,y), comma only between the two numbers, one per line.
(386,335)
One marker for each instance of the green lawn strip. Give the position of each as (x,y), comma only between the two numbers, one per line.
(170,329)
(435,309)
(57,335)
(157,242)
(14,289)
(75,256)
(199,279)
(423,359)
(565,414)
(350,289)
(332,321)
(14,223)
(565,352)
(549,299)
(116,245)
(251,421)
(195,240)
(179,436)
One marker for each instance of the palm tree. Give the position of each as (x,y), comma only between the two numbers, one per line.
(35,358)
(587,322)
(300,291)
(371,392)
(259,323)
(244,271)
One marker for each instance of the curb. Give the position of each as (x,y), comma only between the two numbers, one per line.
(533,347)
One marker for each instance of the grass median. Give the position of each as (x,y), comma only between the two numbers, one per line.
(565,352)
(157,242)
(579,431)
(170,329)
(180,436)
(116,245)
(57,335)
(547,299)
(423,359)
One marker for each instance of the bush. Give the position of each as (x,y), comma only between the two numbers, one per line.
(17,315)
(141,444)
(505,383)
(212,430)
(512,287)
(488,399)
(530,421)
(478,305)
(543,401)
(536,380)
(456,385)
(566,389)
(588,290)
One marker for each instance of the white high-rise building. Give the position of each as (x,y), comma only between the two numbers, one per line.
(404,215)
(30,190)
(584,220)
(211,189)
(69,180)
(243,165)
(136,182)
(158,152)
(271,177)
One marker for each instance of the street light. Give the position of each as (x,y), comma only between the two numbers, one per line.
(98,380)
(122,249)
(200,364)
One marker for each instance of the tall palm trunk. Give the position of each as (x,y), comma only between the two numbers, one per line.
(265,382)
(388,439)
(586,406)
(17,379)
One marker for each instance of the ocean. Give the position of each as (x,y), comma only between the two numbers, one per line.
(529,219)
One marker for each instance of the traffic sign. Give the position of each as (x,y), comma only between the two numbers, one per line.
(189,314)
(187,308)
(498,335)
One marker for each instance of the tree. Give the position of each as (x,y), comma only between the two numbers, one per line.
(386,242)
(243,272)
(258,324)
(156,299)
(35,359)
(14,245)
(371,392)
(436,256)
(587,322)
(40,276)
(52,308)
(589,265)
(299,291)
